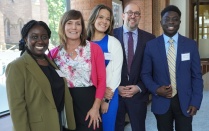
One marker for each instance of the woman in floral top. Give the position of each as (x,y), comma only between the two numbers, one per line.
(82,63)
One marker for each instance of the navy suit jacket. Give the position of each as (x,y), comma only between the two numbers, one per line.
(134,77)
(155,73)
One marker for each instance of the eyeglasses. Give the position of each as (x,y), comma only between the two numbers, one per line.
(136,14)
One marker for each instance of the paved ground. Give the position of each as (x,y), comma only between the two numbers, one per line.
(5,58)
(3,102)
(200,121)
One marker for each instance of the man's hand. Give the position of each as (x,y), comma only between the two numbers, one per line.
(192,110)
(133,89)
(122,91)
(165,91)
(128,91)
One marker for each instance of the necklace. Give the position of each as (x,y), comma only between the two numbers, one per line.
(71,54)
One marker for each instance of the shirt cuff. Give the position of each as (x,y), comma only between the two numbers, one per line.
(140,90)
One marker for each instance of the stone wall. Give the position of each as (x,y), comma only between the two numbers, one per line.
(20,10)
(85,6)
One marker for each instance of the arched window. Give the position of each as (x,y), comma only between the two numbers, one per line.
(7,27)
(20,23)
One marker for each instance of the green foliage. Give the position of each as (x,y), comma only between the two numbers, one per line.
(56,9)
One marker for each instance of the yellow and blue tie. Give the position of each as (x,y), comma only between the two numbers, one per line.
(171,58)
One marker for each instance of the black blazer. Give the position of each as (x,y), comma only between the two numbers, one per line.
(134,77)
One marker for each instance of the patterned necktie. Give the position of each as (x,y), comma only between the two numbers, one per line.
(130,50)
(171,58)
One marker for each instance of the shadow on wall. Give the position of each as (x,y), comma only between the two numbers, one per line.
(203,48)
(206,81)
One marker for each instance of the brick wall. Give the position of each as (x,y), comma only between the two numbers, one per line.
(146,13)
(20,9)
(85,6)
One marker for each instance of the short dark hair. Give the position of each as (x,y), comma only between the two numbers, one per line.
(26,28)
(171,8)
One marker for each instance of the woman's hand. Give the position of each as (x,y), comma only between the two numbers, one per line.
(94,115)
(104,107)
(108,93)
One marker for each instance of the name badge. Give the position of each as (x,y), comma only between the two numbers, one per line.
(60,73)
(108,56)
(185,57)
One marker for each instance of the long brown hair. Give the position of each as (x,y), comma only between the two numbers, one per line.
(92,18)
(71,15)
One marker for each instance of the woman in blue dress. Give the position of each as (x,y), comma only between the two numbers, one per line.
(100,30)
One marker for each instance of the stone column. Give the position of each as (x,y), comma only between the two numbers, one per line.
(158,6)
(183,6)
(2,35)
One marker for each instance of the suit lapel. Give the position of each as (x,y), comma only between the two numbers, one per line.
(138,46)
(162,51)
(120,38)
(40,77)
(179,50)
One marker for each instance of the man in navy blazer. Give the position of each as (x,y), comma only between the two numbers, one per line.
(156,77)
(133,95)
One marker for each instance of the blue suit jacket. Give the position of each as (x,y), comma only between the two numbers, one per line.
(189,81)
(134,77)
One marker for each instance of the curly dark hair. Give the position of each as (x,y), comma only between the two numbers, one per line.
(26,28)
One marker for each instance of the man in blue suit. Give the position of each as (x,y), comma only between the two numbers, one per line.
(175,97)
(133,95)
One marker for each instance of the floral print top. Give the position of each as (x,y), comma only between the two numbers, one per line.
(77,71)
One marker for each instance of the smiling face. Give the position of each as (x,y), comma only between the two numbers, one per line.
(37,40)
(102,22)
(170,23)
(73,29)
(131,22)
